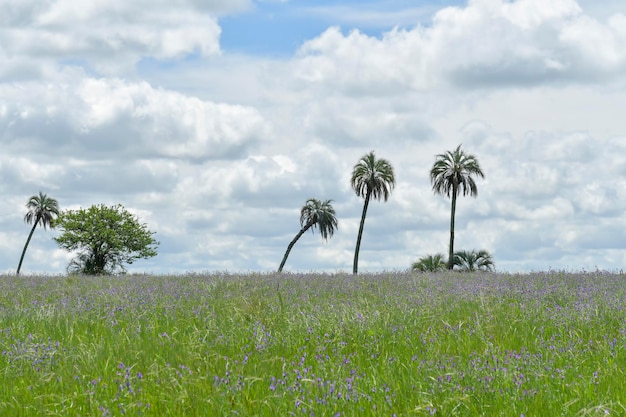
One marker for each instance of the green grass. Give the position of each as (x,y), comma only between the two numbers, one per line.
(404,344)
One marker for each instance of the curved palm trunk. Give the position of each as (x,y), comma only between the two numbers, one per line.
(452,211)
(355,266)
(293,242)
(30,235)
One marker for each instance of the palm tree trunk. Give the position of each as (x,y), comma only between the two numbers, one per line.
(355,266)
(452,211)
(30,235)
(293,242)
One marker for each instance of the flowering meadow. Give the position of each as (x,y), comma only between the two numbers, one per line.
(403,344)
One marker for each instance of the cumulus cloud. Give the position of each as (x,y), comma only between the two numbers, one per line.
(556,190)
(116,118)
(106,36)
(486,43)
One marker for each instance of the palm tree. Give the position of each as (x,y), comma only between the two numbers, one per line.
(474,261)
(41,210)
(371,177)
(314,214)
(451,173)
(430,263)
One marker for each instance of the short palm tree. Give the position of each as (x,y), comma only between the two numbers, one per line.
(430,263)
(41,211)
(314,213)
(371,177)
(452,173)
(474,261)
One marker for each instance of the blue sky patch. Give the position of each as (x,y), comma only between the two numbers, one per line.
(279,29)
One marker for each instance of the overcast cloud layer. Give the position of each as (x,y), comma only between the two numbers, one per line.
(217,148)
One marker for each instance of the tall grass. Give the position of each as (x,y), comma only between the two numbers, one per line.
(404,344)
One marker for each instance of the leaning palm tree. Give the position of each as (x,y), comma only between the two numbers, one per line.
(474,261)
(371,177)
(430,263)
(314,214)
(41,210)
(451,173)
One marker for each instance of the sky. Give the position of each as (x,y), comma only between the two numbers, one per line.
(214,121)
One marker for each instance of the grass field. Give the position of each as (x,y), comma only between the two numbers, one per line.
(404,344)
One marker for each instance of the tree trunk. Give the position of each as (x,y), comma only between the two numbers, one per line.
(355,266)
(99,260)
(452,211)
(293,242)
(30,235)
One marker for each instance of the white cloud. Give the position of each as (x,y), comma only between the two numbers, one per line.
(107,36)
(113,117)
(487,43)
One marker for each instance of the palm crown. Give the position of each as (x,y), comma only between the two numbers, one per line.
(474,260)
(453,171)
(430,263)
(373,176)
(319,214)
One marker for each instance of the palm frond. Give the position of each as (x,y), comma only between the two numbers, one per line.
(474,260)
(430,263)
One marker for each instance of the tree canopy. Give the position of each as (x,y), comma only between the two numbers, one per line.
(106,239)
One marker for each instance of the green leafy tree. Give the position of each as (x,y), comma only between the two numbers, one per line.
(371,178)
(430,263)
(452,173)
(474,260)
(314,213)
(41,211)
(106,238)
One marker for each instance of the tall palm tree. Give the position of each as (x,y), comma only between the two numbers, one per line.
(430,263)
(451,173)
(41,210)
(474,261)
(371,177)
(314,213)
